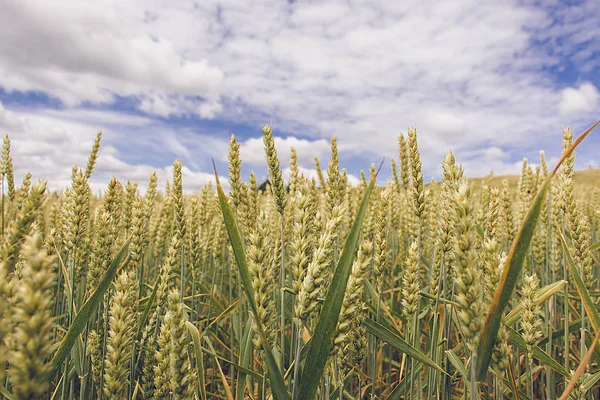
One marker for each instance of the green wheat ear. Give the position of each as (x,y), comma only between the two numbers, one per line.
(120,340)
(31,340)
(274,169)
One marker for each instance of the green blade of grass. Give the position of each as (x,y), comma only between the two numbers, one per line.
(588,343)
(78,356)
(400,344)
(512,383)
(322,340)
(400,389)
(518,395)
(141,324)
(589,382)
(582,366)
(89,308)
(516,340)
(513,267)
(588,303)
(235,239)
(224,313)
(147,309)
(233,364)
(245,360)
(441,300)
(385,313)
(195,334)
(226,386)
(595,246)
(458,364)
(508,280)
(6,393)
(335,394)
(558,334)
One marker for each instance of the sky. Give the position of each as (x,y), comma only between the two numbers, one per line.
(494,81)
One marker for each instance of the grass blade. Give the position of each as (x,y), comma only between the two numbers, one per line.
(146,312)
(513,267)
(400,389)
(582,365)
(588,303)
(511,385)
(458,364)
(322,340)
(516,340)
(89,308)
(558,334)
(228,392)
(400,344)
(233,364)
(386,314)
(6,393)
(589,382)
(195,334)
(235,239)
(245,360)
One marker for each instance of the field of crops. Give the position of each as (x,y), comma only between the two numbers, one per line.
(310,288)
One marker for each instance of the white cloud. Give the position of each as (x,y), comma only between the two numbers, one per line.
(48,144)
(158,105)
(209,109)
(495,153)
(252,150)
(468,74)
(581,100)
(92,52)
(311,173)
(95,117)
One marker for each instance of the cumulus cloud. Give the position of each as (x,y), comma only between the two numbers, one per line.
(489,160)
(93,52)
(49,145)
(252,150)
(581,100)
(311,173)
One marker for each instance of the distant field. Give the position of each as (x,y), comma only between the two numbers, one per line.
(585,179)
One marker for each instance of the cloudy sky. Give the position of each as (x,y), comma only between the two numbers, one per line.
(495,81)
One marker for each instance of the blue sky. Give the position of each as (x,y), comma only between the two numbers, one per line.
(493,81)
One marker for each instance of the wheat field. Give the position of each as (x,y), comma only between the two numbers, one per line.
(306,288)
